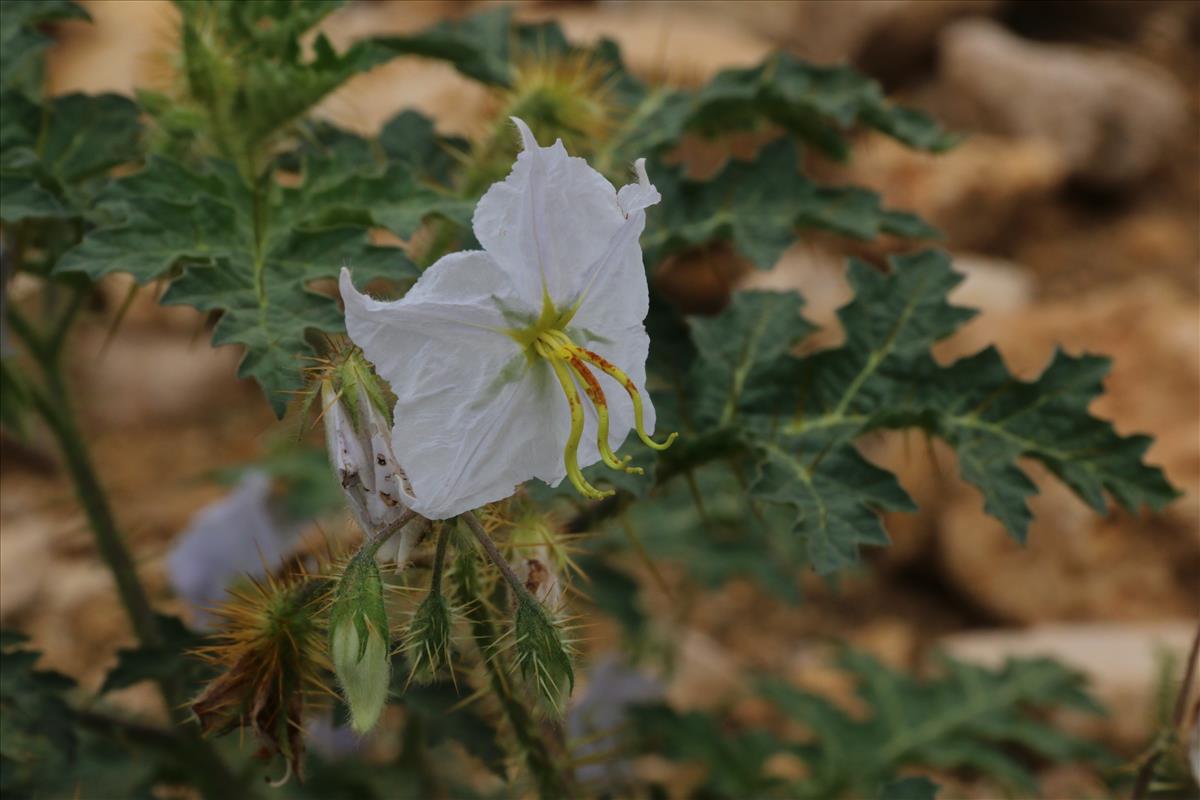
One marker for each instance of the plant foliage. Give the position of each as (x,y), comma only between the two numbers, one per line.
(241,204)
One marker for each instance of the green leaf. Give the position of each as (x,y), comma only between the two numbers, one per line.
(835,493)
(22,43)
(809,464)
(449,719)
(614,592)
(163,662)
(892,319)
(741,353)
(249,75)
(477,46)
(916,788)
(733,537)
(735,761)
(52,159)
(966,718)
(816,103)
(993,419)
(48,749)
(759,205)
(251,253)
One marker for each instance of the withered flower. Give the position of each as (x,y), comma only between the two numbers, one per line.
(270,647)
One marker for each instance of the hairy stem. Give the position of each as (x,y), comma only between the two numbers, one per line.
(439,560)
(52,405)
(378,539)
(494,556)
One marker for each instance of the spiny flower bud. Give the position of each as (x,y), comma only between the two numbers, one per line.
(566,96)
(427,642)
(358,436)
(542,655)
(358,640)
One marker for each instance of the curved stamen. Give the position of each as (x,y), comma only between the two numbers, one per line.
(570,452)
(596,394)
(620,377)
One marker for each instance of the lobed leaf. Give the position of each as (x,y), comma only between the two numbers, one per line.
(52,157)
(993,419)
(759,206)
(251,252)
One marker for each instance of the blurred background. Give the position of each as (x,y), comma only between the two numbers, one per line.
(1073,208)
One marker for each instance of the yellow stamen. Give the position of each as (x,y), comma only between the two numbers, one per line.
(570,452)
(584,377)
(620,377)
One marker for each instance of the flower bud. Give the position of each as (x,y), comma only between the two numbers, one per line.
(358,437)
(541,654)
(427,642)
(358,640)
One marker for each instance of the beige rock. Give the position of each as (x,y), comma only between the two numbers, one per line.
(706,676)
(433,87)
(971,194)
(1111,117)
(677,43)
(151,376)
(882,35)
(1121,661)
(121,49)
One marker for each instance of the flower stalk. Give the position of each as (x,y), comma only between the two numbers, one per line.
(51,404)
(538,754)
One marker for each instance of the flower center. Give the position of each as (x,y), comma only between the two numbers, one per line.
(573,365)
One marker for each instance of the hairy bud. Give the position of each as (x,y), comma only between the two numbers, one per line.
(358,640)
(358,437)
(542,655)
(427,642)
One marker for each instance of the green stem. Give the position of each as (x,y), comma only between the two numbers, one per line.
(53,406)
(494,556)
(538,758)
(439,560)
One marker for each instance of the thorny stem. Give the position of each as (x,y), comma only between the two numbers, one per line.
(439,560)
(493,554)
(52,405)
(538,758)
(377,540)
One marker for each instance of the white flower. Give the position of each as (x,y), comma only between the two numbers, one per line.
(487,353)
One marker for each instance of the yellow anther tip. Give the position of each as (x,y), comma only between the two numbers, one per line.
(656,445)
(635,470)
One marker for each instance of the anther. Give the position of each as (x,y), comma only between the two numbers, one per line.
(620,377)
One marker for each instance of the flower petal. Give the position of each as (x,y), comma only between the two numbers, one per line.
(548,221)
(474,418)
(637,196)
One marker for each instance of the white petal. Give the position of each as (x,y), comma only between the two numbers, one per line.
(614,288)
(473,418)
(614,293)
(637,196)
(548,221)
